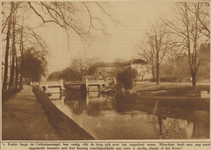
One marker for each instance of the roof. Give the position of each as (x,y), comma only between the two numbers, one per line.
(135,61)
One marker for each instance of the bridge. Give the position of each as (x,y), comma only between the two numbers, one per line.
(52,87)
(58,86)
(87,83)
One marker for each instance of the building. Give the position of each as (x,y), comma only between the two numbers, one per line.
(105,70)
(108,70)
(142,67)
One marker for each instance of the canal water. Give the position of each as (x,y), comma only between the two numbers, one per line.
(104,118)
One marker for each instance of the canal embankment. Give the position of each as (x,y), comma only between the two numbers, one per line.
(25,117)
(65,127)
(177,96)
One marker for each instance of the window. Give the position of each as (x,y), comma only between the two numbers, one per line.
(99,72)
(108,72)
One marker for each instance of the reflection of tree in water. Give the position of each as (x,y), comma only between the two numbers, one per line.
(172,123)
(77,106)
(200,130)
(94,108)
(195,131)
(166,123)
(160,125)
(76,101)
(171,128)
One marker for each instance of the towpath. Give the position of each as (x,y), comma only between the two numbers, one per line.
(23,118)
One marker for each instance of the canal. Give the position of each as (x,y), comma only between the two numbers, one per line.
(104,118)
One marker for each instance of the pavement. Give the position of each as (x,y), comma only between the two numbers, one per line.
(23,118)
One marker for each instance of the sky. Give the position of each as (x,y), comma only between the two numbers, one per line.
(132,20)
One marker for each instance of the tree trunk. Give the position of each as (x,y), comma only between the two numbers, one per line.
(21,71)
(11,84)
(7,50)
(21,63)
(153,72)
(15,51)
(158,75)
(16,71)
(193,79)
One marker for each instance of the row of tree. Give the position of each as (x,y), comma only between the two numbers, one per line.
(169,39)
(78,67)
(25,49)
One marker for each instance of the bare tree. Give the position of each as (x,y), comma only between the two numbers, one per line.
(14,65)
(169,66)
(147,53)
(203,15)
(158,41)
(191,29)
(4,88)
(71,16)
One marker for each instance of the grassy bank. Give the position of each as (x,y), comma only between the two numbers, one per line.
(169,89)
(9,93)
(168,96)
(66,128)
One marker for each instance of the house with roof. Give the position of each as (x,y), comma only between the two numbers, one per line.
(142,67)
(108,70)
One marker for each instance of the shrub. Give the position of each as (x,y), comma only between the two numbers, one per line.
(126,77)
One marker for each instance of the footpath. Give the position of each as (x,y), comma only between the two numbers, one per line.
(30,115)
(23,118)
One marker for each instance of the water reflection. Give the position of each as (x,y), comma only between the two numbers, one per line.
(104,118)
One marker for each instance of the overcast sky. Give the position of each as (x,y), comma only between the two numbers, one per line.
(134,19)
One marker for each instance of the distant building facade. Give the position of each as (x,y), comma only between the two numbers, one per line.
(105,70)
(142,67)
(108,70)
